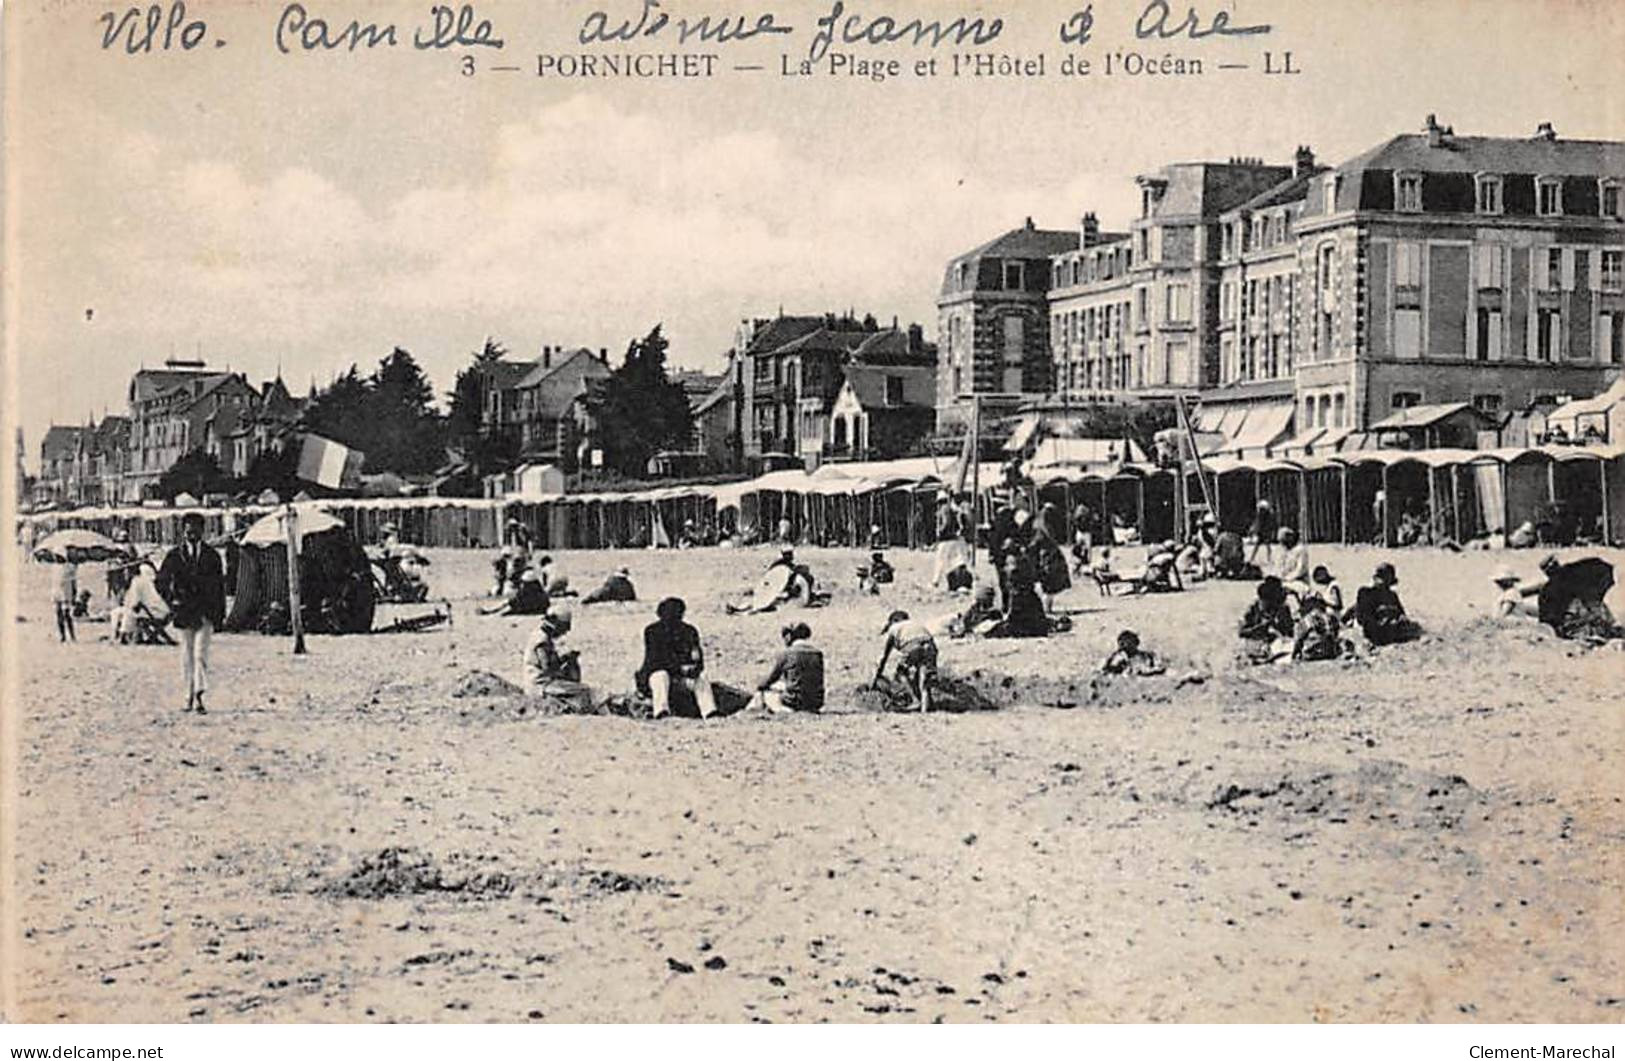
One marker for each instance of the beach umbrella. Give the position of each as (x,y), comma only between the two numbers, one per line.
(185,500)
(78,545)
(268,530)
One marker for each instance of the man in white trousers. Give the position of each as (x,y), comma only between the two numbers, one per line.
(193,581)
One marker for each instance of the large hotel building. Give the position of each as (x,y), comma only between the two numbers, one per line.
(1302,300)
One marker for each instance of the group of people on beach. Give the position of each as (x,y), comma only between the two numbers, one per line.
(1298,612)
(186,595)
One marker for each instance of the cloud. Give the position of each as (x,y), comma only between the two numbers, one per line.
(583,222)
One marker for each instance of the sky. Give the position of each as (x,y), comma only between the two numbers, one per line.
(303,212)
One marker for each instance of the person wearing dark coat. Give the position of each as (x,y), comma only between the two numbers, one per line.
(193,581)
(1024,614)
(530,597)
(1049,564)
(1378,610)
(617,587)
(672,657)
(1268,618)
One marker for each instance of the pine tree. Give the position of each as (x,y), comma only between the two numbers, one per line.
(639,411)
(407,434)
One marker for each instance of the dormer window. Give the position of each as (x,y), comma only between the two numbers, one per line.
(959,276)
(1408,192)
(1334,184)
(1608,199)
(1015,276)
(1489,194)
(1549,197)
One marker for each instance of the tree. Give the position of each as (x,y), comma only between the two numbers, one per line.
(340,411)
(639,411)
(276,470)
(389,416)
(407,433)
(196,473)
(466,407)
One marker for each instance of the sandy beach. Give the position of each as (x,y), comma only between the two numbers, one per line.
(1431,834)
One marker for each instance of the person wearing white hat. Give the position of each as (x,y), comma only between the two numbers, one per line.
(143,615)
(551,673)
(1516,600)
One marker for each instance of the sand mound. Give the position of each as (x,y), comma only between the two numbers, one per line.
(395,872)
(951,694)
(1384,792)
(484,683)
(1105,690)
(402,871)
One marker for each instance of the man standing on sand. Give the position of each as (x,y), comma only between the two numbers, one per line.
(194,583)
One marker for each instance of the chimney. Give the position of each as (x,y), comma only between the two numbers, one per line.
(1091,229)
(1545,131)
(603,354)
(1029,224)
(1436,132)
(916,338)
(1303,161)
(547,357)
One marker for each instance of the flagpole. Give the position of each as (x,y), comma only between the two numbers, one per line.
(975,474)
(290,520)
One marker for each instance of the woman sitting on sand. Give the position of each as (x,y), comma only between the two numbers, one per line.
(978,617)
(1024,614)
(617,586)
(796,682)
(673,659)
(1378,610)
(529,597)
(1324,586)
(552,674)
(1267,626)
(784,581)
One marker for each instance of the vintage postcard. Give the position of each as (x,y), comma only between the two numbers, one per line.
(799,511)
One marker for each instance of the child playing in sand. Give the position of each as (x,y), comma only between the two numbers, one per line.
(1316,636)
(917,656)
(1131,659)
(1324,586)
(1267,626)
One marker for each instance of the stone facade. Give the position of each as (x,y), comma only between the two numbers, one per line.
(1431,268)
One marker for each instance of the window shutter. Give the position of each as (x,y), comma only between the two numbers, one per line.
(1568,269)
(1596,270)
(1537,265)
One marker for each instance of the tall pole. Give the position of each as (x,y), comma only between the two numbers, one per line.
(975,474)
(290,520)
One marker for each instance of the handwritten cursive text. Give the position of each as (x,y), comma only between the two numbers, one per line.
(1153,22)
(884,29)
(652,21)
